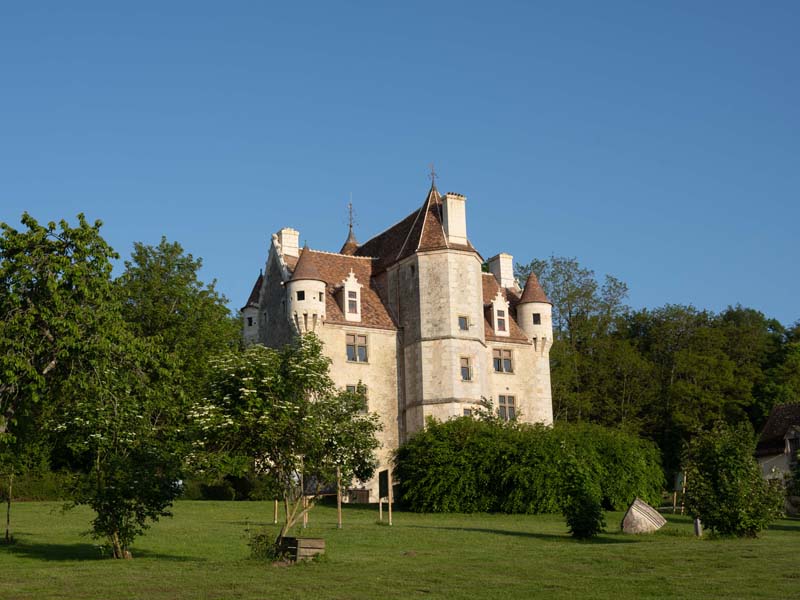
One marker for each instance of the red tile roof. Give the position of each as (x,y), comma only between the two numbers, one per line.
(335,268)
(490,289)
(420,231)
(306,267)
(533,291)
(252,300)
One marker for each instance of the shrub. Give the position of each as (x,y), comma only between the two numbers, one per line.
(581,500)
(468,465)
(725,488)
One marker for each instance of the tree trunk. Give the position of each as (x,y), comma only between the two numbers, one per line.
(119,551)
(8,507)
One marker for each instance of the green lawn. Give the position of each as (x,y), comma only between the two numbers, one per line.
(202,553)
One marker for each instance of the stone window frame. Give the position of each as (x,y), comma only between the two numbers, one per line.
(301,295)
(465,319)
(507,407)
(356,346)
(465,362)
(503,358)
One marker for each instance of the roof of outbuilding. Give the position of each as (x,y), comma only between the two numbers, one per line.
(533,291)
(781,419)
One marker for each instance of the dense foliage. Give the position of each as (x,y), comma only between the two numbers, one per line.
(663,373)
(725,488)
(470,465)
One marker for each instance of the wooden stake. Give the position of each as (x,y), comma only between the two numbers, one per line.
(380,510)
(338,498)
(275,513)
(305,514)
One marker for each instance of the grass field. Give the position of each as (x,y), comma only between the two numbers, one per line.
(202,553)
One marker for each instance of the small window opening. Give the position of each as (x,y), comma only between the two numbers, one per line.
(301,295)
(501,320)
(466,369)
(352,302)
(537,319)
(463,323)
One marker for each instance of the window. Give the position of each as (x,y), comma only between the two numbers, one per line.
(467,412)
(507,409)
(463,323)
(301,295)
(502,361)
(356,347)
(249,321)
(466,369)
(320,297)
(352,302)
(361,390)
(537,319)
(501,320)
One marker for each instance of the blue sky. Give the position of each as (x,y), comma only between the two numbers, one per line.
(658,142)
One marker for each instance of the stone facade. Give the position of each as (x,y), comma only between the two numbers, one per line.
(411,315)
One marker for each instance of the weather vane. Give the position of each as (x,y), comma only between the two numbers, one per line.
(433,175)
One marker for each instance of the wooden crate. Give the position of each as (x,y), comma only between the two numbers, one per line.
(302,548)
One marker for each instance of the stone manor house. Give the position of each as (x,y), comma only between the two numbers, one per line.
(411,316)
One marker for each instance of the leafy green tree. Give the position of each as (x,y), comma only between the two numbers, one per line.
(73,370)
(278,412)
(581,500)
(725,488)
(55,293)
(164,301)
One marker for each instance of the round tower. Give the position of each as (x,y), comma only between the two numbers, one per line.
(306,294)
(535,314)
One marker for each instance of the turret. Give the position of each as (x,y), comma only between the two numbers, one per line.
(535,315)
(306,294)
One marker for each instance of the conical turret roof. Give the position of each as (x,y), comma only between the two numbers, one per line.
(351,245)
(306,267)
(533,291)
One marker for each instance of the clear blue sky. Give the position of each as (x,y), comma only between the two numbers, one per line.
(658,142)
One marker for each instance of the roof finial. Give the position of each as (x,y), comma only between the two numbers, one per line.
(350,213)
(433,176)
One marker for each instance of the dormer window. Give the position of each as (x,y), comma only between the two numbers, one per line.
(352,302)
(499,314)
(501,320)
(348,296)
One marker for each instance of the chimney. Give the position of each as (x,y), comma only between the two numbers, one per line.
(502,267)
(455,218)
(289,239)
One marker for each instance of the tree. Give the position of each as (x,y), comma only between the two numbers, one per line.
(277,412)
(55,290)
(72,369)
(122,422)
(725,488)
(164,301)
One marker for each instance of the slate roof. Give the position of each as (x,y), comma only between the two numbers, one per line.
(335,268)
(252,300)
(781,419)
(533,291)
(490,288)
(420,231)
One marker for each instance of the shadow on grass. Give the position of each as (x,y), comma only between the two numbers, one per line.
(602,539)
(76,552)
(787,524)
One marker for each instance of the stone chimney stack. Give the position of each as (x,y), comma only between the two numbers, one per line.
(455,218)
(289,239)
(502,267)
